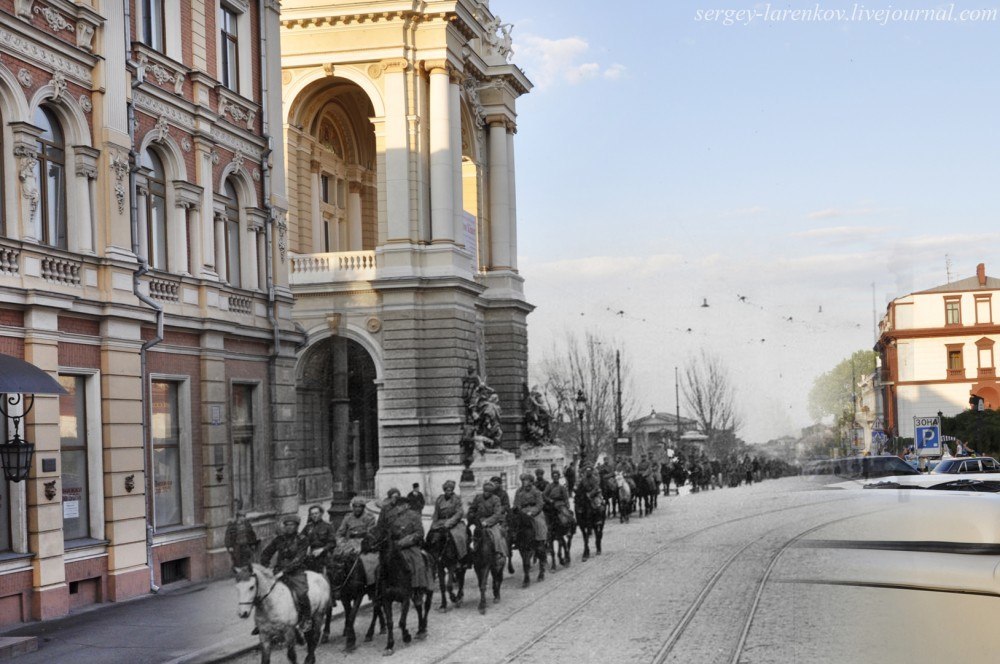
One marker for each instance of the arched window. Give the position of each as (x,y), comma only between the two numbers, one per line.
(51,177)
(156,211)
(232,233)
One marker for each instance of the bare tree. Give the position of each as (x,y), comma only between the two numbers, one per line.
(586,364)
(710,398)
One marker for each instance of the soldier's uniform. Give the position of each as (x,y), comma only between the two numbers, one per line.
(540,481)
(290,553)
(557,500)
(406,528)
(350,534)
(487,512)
(241,541)
(531,502)
(448,513)
(320,537)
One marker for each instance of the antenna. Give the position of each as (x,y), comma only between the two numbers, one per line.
(947,266)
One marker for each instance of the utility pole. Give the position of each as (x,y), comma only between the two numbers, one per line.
(677,403)
(618,395)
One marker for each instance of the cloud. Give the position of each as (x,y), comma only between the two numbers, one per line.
(553,61)
(830,213)
(842,234)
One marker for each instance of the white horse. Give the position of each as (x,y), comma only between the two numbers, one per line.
(276,616)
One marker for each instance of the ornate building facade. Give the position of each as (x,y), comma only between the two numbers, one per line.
(399,124)
(144,261)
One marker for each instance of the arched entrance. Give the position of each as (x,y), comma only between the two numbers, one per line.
(338,422)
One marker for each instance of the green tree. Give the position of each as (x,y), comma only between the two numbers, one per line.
(981,430)
(833,393)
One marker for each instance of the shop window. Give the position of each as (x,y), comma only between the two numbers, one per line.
(73,453)
(243,428)
(166,433)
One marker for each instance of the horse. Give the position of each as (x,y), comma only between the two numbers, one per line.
(625,503)
(523,528)
(449,567)
(394,583)
(348,583)
(679,475)
(590,515)
(275,612)
(609,488)
(645,490)
(487,564)
(665,475)
(560,538)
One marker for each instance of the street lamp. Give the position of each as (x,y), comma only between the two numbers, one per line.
(19,383)
(581,406)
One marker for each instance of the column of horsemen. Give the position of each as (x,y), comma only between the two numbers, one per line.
(389,558)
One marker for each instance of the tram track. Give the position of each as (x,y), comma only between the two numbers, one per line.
(592,596)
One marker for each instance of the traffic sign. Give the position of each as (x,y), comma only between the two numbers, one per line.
(927,436)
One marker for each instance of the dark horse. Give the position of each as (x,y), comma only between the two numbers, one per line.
(609,488)
(560,538)
(523,529)
(590,515)
(645,493)
(449,567)
(487,562)
(394,583)
(348,584)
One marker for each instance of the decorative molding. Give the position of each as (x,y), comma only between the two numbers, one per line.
(238,114)
(119,164)
(158,108)
(394,66)
(85,104)
(58,83)
(375,71)
(162,129)
(23,8)
(235,143)
(214,156)
(86,161)
(333,321)
(162,75)
(21,47)
(24,77)
(26,167)
(373,324)
(85,35)
(280,216)
(185,144)
(255,174)
(54,19)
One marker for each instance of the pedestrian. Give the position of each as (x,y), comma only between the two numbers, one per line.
(241,541)
(416,497)
(540,480)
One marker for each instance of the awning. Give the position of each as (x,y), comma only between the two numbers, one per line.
(20,377)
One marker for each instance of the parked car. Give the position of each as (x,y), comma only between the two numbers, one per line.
(860,467)
(963,465)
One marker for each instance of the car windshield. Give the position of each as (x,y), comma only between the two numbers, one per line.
(985,486)
(945,467)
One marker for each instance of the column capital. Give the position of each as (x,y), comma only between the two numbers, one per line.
(501,121)
(354,187)
(395,65)
(86,161)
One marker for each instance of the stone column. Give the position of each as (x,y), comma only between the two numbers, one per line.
(442,169)
(355,231)
(142,230)
(250,264)
(499,196)
(455,115)
(177,242)
(221,268)
(341,430)
(397,152)
(86,171)
(207,269)
(318,246)
(261,259)
(511,188)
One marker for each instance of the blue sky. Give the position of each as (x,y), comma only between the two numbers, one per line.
(662,160)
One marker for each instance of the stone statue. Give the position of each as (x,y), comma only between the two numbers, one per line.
(482,430)
(537,419)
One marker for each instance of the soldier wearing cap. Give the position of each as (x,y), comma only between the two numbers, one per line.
(352,532)
(320,537)
(241,540)
(540,480)
(557,500)
(589,486)
(290,550)
(416,498)
(448,514)
(500,492)
(529,501)
(404,525)
(489,513)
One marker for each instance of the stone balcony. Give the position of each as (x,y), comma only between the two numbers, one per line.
(330,268)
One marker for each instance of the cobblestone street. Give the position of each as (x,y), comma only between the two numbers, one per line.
(702,580)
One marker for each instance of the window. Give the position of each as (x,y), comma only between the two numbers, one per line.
(230,50)
(984,310)
(324,188)
(953,311)
(243,434)
(156,212)
(73,446)
(955,360)
(232,239)
(152,24)
(166,453)
(51,178)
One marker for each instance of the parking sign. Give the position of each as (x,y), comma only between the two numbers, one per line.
(927,436)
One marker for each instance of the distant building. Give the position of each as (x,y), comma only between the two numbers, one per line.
(657,432)
(936,351)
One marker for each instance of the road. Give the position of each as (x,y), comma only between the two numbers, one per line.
(709,577)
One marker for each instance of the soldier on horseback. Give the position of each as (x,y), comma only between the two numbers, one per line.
(352,532)
(319,536)
(557,500)
(540,482)
(488,512)
(448,513)
(290,550)
(529,500)
(403,523)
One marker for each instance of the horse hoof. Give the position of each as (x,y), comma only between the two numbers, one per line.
(407,638)
(525,583)
(325,638)
(496,600)
(368,639)
(350,648)
(443,609)
(482,609)
(387,652)
(458,603)
(421,636)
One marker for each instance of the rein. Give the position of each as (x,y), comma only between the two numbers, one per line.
(357,559)
(258,598)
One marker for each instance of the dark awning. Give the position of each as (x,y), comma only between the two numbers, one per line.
(20,377)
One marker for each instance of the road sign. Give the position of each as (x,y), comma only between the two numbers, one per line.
(879,436)
(927,436)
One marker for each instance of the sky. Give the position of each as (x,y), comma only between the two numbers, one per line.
(788,172)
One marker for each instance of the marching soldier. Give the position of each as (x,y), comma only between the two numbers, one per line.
(448,513)
(289,550)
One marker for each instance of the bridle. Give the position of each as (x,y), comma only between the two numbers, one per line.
(258,598)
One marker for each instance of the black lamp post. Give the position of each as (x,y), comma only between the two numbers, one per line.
(581,407)
(19,383)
